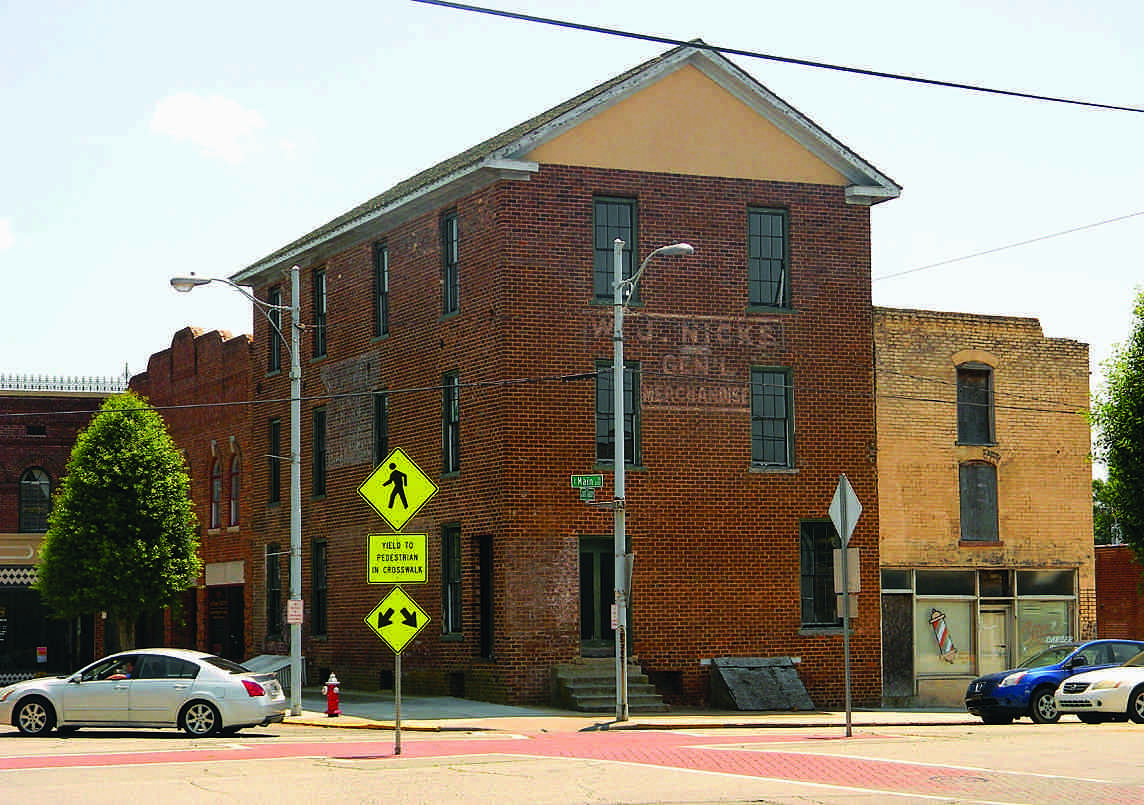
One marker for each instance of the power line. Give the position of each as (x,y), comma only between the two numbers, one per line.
(1007,246)
(781,59)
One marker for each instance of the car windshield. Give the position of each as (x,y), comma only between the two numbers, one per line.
(1050,656)
(224,664)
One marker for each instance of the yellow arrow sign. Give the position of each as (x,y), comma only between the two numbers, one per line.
(397,489)
(397,619)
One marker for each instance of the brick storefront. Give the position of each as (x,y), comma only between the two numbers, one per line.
(1028,578)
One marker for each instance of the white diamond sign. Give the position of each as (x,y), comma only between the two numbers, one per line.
(844,509)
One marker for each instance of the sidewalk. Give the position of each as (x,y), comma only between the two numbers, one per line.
(361,710)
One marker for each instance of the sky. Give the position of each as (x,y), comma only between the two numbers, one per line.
(144,140)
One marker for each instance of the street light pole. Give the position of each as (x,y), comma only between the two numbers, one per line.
(619,303)
(185,285)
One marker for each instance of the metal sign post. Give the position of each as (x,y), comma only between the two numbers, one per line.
(397,703)
(844,512)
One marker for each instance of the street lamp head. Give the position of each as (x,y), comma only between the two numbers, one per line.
(677,248)
(185,284)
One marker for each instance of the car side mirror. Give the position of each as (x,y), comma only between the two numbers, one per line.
(74,679)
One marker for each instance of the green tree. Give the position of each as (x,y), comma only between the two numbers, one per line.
(1103,513)
(1118,413)
(122,536)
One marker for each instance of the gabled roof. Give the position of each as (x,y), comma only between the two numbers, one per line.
(500,156)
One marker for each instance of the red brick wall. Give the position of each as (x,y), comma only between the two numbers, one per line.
(201,387)
(717,545)
(1119,588)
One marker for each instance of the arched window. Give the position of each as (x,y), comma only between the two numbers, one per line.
(35,500)
(216,494)
(235,485)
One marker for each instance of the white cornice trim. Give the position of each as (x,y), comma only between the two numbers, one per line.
(452,186)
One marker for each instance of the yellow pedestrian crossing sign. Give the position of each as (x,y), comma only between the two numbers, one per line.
(397,619)
(397,489)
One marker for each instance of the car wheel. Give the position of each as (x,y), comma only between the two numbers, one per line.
(1043,707)
(1090,719)
(35,716)
(996,719)
(1136,705)
(200,719)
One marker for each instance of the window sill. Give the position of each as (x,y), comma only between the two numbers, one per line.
(274,372)
(822,631)
(773,470)
(980,543)
(214,531)
(450,474)
(452,314)
(609,466)
(379,338)
(779,310)
(453,637)
(233,529)
(598,301)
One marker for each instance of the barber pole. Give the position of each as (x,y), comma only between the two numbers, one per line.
(941,634)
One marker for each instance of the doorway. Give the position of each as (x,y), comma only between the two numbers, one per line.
(597,594)
(226,625)
(993,640)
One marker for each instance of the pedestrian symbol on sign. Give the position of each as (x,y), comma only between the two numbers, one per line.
(398,479)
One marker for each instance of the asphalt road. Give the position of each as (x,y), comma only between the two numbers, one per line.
(1019,763)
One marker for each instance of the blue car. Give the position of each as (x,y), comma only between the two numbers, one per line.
(1028,689)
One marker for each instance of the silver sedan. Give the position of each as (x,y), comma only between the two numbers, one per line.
(197,692)
(1108,694)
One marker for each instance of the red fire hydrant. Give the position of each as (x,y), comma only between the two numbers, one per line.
(330,689)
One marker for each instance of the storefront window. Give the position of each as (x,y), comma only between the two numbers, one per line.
(1045,582)
(1041,624)
(943,636)
(945,582)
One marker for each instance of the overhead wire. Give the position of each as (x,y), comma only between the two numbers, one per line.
(754,54)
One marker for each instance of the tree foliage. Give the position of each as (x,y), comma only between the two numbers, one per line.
(122,536)
(1105,529)
(1118,413)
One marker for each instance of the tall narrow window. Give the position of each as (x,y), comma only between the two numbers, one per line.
(318,479)
(612,218)
(319,598)
(274,462)
(977,485)
(606,416)
(216,493)
(235,488)
(451,260)
(772,423)
(451,423)
(380,289)
(273,591)
(451,579)
(274,336)
(318,291)
(380,426)
(35,500)
(817,541)
(767,272)
(974,404)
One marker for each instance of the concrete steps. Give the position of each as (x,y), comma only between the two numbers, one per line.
(589,685)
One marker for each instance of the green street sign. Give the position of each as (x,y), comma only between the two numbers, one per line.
(587,494)
(594,481)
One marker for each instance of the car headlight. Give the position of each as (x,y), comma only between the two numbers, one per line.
(1012,679)
(1107,684)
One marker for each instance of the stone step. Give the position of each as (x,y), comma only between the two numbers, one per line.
(590,686)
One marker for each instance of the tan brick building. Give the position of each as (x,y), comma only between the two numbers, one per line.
(984,484)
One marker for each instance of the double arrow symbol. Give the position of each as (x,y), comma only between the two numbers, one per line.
(386,618)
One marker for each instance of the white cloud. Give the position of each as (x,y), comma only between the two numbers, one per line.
(7,239)
(218,126)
